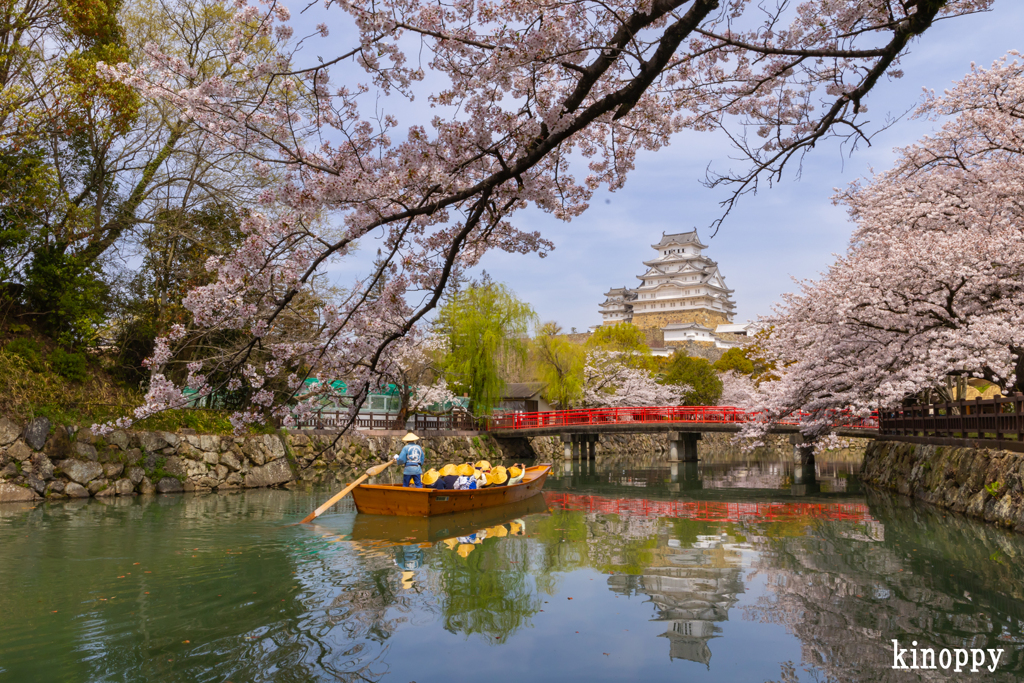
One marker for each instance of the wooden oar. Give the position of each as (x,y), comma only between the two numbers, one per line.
(372,472)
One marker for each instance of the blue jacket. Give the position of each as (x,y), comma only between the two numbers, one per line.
(412,457)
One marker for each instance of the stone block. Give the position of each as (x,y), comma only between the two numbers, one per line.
(9,470)
(276,472)
(152,442)
(19,451)
(176,466)
(222,472)
(9,431)
(74,490)
(169,485)
(42,466)
(58,446)
(211,458)
(136,475)
(12,493)
(112,470)
(36,433)
(133,456)
(209,442)
(36,484)
(208,482)
(97,485)
(85,450)
(124,487)
(118,438)
(146,486)
(55,486)
(110,490)
(80,471)
(231,461)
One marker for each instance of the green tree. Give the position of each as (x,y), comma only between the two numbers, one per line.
(626,341)
(735,359)
(558,362)
(699,375)
(482,324)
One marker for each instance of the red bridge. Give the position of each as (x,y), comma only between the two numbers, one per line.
(656,419)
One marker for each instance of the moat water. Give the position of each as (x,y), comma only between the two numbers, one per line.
(623,571)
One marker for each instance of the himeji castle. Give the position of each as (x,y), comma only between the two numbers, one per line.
(682,293)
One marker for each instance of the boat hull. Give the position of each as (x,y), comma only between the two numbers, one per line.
(374,499)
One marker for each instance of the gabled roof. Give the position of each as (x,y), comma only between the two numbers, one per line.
(679,238)
(523,390)
(686,326)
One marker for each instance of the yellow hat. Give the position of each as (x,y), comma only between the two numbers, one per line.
(465,549)
(516,528)
(430,476)
(410,437)
(448,470)
(497,476)
(501,468)
(498,531)
(514,471)
(451,543)
(464,470)
(483,464)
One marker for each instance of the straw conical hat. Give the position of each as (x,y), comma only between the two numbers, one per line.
(517,527)
(497,531)
(451,543)
(501,468)
(448,470)
(483,464)
(497,476)
(465,549)
(514,471)
(410,437)
(430,476)
(465,470)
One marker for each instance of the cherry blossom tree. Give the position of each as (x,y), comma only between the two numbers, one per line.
(518,89)
(932,285)
(738,390)
(609,381)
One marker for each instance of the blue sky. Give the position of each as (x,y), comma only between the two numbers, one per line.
(788,231)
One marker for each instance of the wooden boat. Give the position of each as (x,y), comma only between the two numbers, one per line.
(377,499)
(432,529)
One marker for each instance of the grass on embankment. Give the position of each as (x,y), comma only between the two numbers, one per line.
(32,387)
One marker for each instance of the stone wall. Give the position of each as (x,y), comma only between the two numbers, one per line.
(987,484)
(40,460)
(704,316)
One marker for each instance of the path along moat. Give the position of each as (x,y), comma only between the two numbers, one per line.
(625,571)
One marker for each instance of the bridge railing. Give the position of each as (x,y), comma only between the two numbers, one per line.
(998,419)
(652,415)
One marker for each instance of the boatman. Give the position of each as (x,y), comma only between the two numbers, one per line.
(412,457)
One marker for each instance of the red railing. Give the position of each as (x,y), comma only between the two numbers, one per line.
(610,416)
(709,511)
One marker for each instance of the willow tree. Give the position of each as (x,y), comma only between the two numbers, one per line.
(559,362)
(483,325)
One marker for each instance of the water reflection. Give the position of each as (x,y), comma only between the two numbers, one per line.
(623,570)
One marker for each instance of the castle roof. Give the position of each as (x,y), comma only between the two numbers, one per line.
(680,238)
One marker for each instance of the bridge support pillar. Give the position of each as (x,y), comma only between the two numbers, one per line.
(682,446)
(592,440)
(570,444)
(803,449)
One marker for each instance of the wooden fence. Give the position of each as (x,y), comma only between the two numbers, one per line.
(997,419)
(389,421)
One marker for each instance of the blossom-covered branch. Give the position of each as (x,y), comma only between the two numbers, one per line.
(524,86)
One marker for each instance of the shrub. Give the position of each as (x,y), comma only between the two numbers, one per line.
(69,365)
(29,350)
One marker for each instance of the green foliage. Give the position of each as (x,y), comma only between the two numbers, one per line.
(705,386)
(29,350)
(735,359)
(70,295)
(993,488)
(482,324)
(69,365)
(558,362)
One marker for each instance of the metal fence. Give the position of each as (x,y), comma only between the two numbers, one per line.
(998,419)
(389,421)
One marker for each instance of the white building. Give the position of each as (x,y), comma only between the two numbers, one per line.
(682,293)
